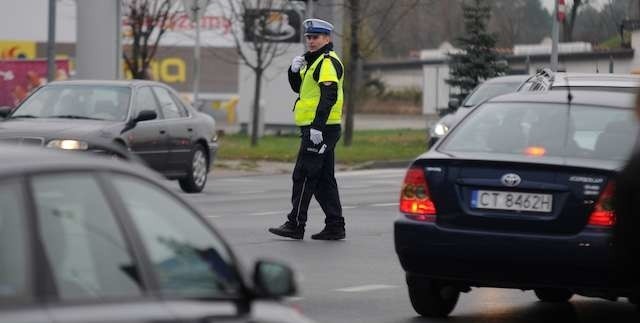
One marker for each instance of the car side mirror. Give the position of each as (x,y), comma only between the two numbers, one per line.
(273,280)
(145,115)
(454,104)
(5,111)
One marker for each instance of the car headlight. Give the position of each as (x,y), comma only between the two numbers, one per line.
(68,144)
(440,129)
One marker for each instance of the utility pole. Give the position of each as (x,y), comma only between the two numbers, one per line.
(51,43)
(196,57)
(195,9)
(353,68)
(558,16)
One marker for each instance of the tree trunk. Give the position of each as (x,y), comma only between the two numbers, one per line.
(571,22)
(255,118)
(352,70)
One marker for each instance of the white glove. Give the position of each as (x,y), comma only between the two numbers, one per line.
(316,136)
(296,63)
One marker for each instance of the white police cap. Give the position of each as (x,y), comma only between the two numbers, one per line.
(317,26)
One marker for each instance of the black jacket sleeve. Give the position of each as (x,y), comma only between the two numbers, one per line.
(294,80)
(328,97)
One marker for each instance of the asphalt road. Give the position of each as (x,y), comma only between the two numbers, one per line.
(360,279)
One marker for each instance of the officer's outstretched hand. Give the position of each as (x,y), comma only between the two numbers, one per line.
(296,63)
(315,136)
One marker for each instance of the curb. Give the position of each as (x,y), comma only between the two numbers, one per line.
(271,168)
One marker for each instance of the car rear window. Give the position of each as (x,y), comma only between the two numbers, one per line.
(489,90)
(539,129)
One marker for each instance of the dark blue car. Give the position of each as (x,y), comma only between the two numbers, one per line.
(518,195)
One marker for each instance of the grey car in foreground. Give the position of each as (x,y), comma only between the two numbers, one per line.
(89,239)
(144,117)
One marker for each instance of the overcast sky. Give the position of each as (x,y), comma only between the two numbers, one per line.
(549,3)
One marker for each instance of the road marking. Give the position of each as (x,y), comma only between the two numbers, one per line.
(364,288)
(293,299)
(344,207)
(213,216)
(385,204)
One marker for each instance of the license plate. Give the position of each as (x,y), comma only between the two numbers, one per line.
(514,201)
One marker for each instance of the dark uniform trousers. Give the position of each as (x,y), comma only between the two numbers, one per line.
(314,175)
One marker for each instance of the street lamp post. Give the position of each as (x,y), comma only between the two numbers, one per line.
(51,42)
(555,34)
(558,16)
(195,9)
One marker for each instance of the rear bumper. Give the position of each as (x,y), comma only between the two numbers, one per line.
(514,260)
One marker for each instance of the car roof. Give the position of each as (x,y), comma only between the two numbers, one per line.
(128,83)
(596,80)
(617,99)
(508,79)
(16,160)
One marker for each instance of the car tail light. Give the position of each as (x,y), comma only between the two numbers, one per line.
(603,214)
(535,151)
(415,200)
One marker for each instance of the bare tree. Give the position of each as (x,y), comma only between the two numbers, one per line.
(377,19)
(254,46)
(146,22)
(519,21)
(570,22)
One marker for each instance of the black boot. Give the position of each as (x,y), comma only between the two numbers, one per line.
(289,230)
(330,233)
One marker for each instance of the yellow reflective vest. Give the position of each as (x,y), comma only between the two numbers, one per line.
(305,107)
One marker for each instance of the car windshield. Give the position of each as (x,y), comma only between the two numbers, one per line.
(489,90)
(543,129)
(77,102)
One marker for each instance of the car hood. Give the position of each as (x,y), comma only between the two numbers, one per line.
(51,128)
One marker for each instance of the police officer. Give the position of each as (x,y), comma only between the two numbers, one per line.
(317,77)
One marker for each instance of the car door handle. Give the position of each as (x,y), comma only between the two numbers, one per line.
(162,132)
(189,129)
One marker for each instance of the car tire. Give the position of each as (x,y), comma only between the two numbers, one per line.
(431,298)
(553,295)
(197,171)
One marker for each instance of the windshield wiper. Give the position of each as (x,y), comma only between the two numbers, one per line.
(72,116)
(23,116)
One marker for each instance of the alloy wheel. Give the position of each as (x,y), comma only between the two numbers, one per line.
(199,167)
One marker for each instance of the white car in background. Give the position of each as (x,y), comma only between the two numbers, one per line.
(486,90)
(544,80)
